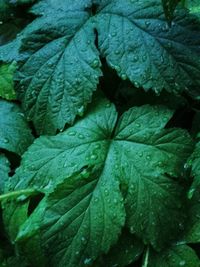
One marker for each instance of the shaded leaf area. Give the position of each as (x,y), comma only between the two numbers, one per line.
(192,231)
(7,82)
(179,255)
(194,162)
(14,17)
(9,31)
(103,170)
(15,135)
(9,10)
(128,96)
(53,96)
(126,251)
(4,170)
(169,7)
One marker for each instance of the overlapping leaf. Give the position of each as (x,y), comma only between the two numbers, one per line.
(57,79)
(169,7)
(15,135)
(195,162)
(141,158)
(4,169)
(126,251)
(180,255)
(6,81)
(192,231)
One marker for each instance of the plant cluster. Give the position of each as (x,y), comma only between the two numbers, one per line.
(99,133)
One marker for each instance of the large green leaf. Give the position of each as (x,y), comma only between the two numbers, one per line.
(176,256)
(4,169)
(15,135)
(88,216)
(53,95)
(97,162)
(136,41)
(58,79)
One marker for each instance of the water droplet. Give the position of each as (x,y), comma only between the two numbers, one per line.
(108,105)
(147,23)
(113,34)
(97,146)
(182,263)
(191,193)
(135,58)
(106,191)
(123,76)
(148,157)
(72,133)
(118,68)
(181,226)
(85,174)
(6,140)
(96,199)
(144,57)
(136,84)
(87,261)
(81,136)
(95,63)
(22,198)
(93,157)
(80,111)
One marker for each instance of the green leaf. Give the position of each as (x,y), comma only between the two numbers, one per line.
(6,81)
(192,231)
(137,41)
(15,136)
(169,7)
(62,71)
(195,162)
(4,170)
(193,6)
(142,157)
(84,225)
(127,250)
(54,95)
(176,256)
(148,151)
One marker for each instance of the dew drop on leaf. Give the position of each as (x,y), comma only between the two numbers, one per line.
(87,261)
(72,133)
(6,140)
(93,157)
(182,263)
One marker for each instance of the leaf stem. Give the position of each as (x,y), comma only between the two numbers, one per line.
(15,194)
(146,259)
